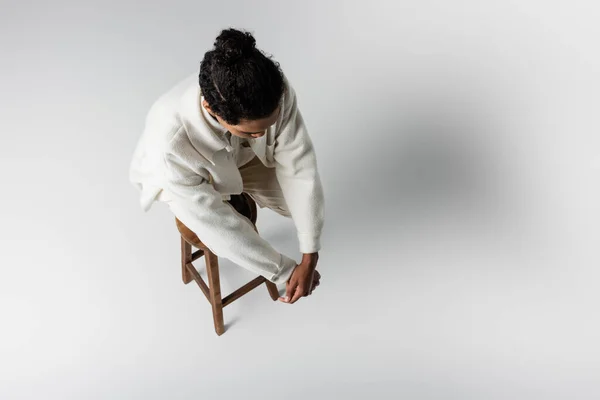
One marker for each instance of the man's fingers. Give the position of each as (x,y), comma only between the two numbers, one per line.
(309,290)
(315,282)
(290,286)
(297,294)
(314,286)
(290,289)
(296,289)
(316,278)
(286,298)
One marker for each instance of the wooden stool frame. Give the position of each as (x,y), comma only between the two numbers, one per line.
(212,290)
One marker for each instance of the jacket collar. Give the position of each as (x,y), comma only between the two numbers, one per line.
(204,133)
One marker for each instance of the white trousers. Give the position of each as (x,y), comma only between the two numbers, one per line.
(261,184)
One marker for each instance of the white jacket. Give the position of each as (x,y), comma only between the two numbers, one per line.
(181,153)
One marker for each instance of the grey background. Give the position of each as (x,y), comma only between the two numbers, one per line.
(459,150)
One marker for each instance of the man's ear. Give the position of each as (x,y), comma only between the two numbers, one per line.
(207,107)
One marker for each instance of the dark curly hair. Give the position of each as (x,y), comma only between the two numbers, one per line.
(238,80)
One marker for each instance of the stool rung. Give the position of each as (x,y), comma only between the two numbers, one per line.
(243,290)
(196,255)
(198,280)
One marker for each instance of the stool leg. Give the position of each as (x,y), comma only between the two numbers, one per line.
(272,288)
(212,270)
(186,256)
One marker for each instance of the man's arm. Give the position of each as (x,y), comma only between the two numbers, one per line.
(298,176)
(200,207)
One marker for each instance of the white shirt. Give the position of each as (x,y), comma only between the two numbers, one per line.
(242,152)
(184,152)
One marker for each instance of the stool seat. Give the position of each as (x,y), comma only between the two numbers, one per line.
(245,205)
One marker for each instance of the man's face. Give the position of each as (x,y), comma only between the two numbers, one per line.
(248,129)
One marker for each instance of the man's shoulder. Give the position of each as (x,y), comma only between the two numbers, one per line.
(164,123)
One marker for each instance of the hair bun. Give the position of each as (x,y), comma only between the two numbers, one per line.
(233,45)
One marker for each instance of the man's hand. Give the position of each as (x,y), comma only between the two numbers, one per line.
(304,279)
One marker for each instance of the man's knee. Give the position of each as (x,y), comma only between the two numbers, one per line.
(278,205)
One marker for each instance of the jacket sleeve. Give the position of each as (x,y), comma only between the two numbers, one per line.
(296,170)
(197,204)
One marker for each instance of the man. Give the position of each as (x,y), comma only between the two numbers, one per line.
(239,130)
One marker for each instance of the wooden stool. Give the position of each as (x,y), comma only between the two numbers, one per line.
(246,206)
